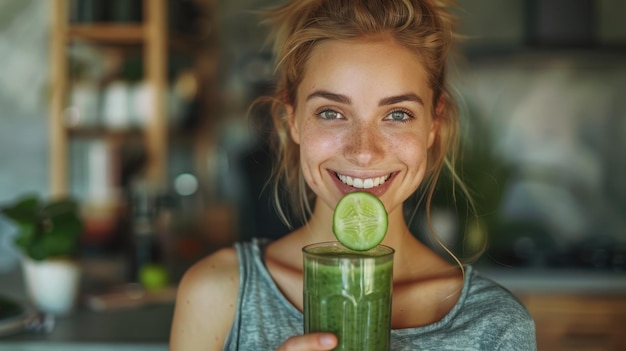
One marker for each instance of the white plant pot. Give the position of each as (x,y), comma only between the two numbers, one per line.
(52,285)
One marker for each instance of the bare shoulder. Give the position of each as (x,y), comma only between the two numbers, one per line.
(208,289)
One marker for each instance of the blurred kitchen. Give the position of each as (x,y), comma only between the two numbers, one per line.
(138,110)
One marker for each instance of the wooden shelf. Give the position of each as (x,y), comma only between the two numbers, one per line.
(132,33)
(151,34)
(157,44)
(104,132)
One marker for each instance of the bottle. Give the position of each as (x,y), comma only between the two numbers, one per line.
(145,244)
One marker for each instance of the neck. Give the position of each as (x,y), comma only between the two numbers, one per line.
(319,226)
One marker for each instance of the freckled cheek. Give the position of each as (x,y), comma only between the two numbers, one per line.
(315,149)
(319,142)
(410,149)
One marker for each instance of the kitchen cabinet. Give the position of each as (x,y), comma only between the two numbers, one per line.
(573,309)
(578,321)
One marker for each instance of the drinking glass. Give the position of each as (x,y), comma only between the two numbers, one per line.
(348,293)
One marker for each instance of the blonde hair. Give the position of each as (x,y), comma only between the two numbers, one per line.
(426,27)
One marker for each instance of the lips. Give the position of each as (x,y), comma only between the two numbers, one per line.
(363,183)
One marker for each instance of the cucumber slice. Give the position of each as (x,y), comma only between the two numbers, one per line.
(360,221)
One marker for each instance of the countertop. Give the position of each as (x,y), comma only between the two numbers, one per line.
(557,280)
(146,328)
(143,328)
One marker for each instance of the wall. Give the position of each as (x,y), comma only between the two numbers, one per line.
(23,119)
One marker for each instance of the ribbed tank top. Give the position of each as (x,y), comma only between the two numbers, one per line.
(486,316)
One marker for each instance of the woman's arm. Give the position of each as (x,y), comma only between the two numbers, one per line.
(205,303)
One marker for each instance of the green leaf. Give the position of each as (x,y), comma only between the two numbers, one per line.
(60,208)
(62,235)
(66,225)
(25,236)
(52,245)
(36,251)
(46,230)
(25,210)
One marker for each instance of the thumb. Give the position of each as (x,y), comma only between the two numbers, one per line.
(310,342)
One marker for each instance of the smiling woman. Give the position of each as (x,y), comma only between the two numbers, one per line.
(361,104)
(382,129)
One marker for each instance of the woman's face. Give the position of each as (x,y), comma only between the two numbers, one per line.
(364,120)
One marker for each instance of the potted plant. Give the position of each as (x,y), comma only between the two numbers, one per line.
(48,237)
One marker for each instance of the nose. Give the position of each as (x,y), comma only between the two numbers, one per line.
(364,145)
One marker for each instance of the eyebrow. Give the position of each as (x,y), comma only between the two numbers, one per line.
(329,96)
(346,100)
(400,98)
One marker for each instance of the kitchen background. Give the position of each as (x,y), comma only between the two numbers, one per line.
(541,83)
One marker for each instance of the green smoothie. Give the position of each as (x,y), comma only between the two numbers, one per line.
(348,293)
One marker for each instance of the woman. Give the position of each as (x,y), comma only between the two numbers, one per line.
(361,104)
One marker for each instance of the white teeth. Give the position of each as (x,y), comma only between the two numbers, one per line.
(358,183)
(348,180)
(363,183)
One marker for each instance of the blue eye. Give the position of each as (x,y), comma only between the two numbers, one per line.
(398,116)
(329,114)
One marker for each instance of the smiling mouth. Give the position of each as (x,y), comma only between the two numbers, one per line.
(366,183)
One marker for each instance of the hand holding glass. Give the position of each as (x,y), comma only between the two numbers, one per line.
(348,293)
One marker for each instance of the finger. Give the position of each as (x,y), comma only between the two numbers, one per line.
(310,342)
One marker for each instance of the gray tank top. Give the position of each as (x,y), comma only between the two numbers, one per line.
(486,316)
